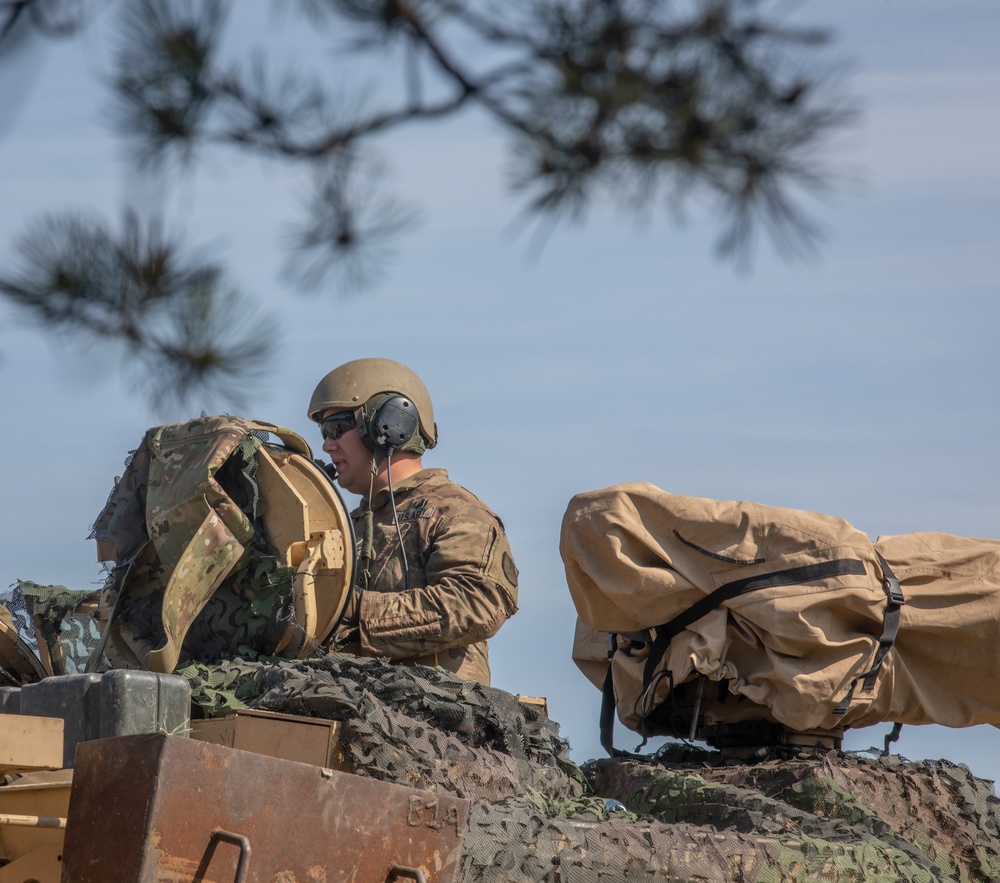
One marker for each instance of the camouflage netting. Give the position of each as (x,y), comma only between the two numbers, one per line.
(833,817)
(826,816)
(51,613)
(418,726)
(686,815)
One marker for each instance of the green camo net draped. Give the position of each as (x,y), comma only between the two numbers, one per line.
(684,815)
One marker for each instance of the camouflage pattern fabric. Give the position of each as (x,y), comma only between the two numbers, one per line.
(19,662)
(199,531)
(246,616)
(462,578)
(198,577)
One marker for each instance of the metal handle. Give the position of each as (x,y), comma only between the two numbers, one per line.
(415,874)
(244,844)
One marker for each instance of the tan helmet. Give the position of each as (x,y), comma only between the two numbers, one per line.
(354,383)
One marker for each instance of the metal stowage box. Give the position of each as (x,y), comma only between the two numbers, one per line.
(290,737)
(157,808)
(117,703)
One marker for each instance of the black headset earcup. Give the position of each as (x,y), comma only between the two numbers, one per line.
(392,425)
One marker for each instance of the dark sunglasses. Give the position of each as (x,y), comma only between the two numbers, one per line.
(334,426)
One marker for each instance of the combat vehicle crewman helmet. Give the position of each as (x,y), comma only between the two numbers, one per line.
(350,386)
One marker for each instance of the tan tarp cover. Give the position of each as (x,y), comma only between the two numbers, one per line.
(637,556)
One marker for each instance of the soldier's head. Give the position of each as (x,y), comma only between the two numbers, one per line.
(368,410)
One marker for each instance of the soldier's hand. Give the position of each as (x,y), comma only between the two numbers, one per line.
(346,631)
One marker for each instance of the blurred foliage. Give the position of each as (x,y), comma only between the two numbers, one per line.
(182,326)
(638,102)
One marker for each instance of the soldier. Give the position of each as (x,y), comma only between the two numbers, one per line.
(435,574)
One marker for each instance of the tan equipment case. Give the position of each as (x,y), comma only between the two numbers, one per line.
(700,614)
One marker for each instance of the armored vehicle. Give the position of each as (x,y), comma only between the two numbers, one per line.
(186,723)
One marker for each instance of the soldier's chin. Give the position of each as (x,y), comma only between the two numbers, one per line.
(348,486)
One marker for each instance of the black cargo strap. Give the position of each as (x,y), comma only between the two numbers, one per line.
(808,573)
(890,627)
(892,737)
(794,576)
(608,704)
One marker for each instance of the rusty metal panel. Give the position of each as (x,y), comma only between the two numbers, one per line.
(163,809)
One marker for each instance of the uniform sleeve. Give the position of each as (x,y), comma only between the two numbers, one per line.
(470,591)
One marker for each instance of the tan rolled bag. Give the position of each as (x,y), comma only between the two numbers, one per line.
(226,539)
(739,623)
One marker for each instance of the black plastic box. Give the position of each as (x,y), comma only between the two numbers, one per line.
(97,706)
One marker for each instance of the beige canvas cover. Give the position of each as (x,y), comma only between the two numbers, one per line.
(637,556)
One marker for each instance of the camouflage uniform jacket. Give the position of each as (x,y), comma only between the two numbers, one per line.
(462,578)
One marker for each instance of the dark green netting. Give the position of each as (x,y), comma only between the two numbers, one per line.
(416,725)
(687,815)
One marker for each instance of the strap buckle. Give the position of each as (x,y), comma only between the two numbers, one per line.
(892,590)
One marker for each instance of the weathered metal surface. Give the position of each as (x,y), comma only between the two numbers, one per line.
(162,809)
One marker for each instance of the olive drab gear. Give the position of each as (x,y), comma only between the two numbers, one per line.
(751,612)
(223,542)
(353,384)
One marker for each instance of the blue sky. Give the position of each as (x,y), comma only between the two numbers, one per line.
(860,383)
